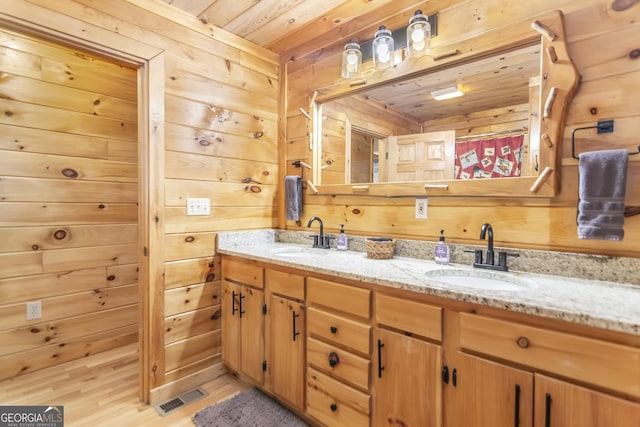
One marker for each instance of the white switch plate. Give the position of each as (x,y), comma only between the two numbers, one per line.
(421,208)
(34,310)
(198,206)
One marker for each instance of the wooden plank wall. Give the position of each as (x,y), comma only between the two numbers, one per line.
(603,43)
(68,204)
(221,136)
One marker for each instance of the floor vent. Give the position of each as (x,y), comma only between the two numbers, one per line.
(176,403)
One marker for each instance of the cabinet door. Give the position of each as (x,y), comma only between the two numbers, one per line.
(488,394)
(286,344)
(252,334)
(407,387)
(231,343)
(560,404)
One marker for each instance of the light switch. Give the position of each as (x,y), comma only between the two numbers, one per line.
(198,206)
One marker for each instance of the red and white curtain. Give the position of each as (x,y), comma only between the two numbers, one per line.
(489,158)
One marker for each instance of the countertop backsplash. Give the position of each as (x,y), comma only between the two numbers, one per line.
(565,264)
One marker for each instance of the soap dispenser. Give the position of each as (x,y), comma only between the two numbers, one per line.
(341,241)
(442,250)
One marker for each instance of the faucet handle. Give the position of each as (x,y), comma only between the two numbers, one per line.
(502,258)
(477,255)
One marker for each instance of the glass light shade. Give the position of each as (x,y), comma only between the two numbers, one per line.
(383,48)
(351,60)
(418,34)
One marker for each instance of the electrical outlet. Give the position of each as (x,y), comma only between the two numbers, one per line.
(421,208)
(198,206)
(34,310)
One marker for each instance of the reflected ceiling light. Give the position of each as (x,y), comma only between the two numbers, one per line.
(418,34)
(382,48)
(450,92)
(351,60)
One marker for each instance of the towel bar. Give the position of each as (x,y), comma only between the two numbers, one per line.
(603,126)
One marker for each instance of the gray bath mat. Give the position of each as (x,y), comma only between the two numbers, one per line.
(250,408)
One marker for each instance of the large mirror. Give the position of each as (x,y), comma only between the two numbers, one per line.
(390,136)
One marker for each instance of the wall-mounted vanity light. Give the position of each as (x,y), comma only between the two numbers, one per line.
(383,48)
(351,60)
(414,37)
(446,93)
(418,34)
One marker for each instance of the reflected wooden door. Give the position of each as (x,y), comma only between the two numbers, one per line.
(421,157)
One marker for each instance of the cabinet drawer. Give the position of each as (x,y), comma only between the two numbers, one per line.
(334,403)
(601,363)
(339,330)
(348,299)
(409,316)
(243,272)
(287,284)
(346,366)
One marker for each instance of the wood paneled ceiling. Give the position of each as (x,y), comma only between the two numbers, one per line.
(286,25)
(296,28)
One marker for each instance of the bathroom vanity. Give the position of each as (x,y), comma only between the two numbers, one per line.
(346,340)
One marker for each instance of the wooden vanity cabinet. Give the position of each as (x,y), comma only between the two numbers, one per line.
(286,336)
(494,394)
(243,318)
(407,388)
(338,353)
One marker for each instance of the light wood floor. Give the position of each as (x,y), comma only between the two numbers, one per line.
(102,390)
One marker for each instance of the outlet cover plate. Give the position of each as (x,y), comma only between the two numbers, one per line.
(198,206)
(34,310)
(421,208)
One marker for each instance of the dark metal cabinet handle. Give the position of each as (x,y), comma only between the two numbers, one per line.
(333,359)
(380,367)
(445,374)
(233,303)
(516,417)
(241,311)
(333,407)
(333,329)
(293,318)
(454,377)
(547,410)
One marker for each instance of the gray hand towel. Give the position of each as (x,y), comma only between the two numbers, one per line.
(603,182)
(293,196)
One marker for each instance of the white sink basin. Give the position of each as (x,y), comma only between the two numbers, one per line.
(295,252)
(480,279)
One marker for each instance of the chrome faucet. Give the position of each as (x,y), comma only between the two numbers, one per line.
(319,240)
(489,260)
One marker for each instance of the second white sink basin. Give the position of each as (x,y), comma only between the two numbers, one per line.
(480,279)
(295,252)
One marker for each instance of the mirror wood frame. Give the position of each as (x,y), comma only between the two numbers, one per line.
(559,81)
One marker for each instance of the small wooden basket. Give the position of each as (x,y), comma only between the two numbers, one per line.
(380,248)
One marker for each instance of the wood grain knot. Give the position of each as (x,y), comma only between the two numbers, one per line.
(258,134)
(210,277)
(204,142)
(253,189)
(111,278)
(216,315)
(620,5)
(189,239)
(522,342)
(69,173)
(35,247)
(59,234)
(101,206)
(355,211)
(634,54)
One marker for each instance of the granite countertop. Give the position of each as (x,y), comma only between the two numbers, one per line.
(608,305)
